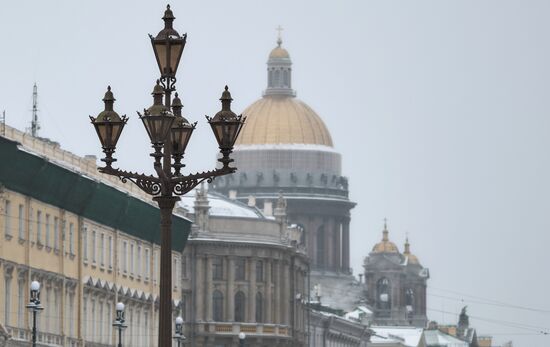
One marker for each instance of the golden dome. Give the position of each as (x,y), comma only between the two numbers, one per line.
(282,120)
(412,259)
(385,246)
(279,52)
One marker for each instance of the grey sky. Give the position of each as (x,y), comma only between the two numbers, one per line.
(440,109)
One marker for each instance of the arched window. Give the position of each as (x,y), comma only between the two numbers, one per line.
(239,306)
(286,79)
(409,297)
(217,306)
(259,308)
(383,291)
(277,79)
(259,271)
(270,78)
(321,245)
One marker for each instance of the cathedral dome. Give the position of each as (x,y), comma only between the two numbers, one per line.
(280,118)
(385,246)
(283,120)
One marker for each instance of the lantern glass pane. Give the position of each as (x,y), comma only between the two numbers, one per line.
(176,49)
(161,52)
(103,134)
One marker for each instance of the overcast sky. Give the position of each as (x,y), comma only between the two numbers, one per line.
(439,108)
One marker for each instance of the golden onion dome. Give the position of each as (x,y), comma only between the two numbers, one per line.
(283,120)
(385,246)
(412,259)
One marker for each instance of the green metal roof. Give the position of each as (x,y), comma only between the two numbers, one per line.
(37,177)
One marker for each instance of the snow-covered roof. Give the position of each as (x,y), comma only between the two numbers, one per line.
(439,338)
(222,206)
(358,313)
(408,336)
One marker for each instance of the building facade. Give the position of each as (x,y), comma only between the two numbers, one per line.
(247,274)
(89,240)
(396,284)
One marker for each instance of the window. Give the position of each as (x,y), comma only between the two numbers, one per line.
(71,238)
(31,212)
(20,303)
(277,78)
(47,230)
(100,333)
(146,327)
(85,243)
(147,264)
(273,274)
(55,233)
(240,268)
(239,306)
(139,260)
(102,250)
(175,273)
(409,297)
(132,258)
(124,255)
(110,252)
(7,217)
(21,222)
(217,268)
(259,308)
(39,227)
(259,271)
(286,79)
(71,314)
(7,300)
(94,246)
(383,294)
(321,246)
(184,266)
(217,306)
(156,266)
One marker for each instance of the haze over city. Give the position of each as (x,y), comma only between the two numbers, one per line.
(438,108)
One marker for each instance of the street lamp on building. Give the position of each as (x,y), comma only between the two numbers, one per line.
(242,337)
(169,134)
(178,336)
(119,321)
(35,306)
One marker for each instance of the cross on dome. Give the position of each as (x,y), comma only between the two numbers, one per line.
(279,38)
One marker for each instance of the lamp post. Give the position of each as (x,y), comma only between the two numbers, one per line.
(169,134)
(35,306)
(119,321)
(242,337)
(178,336)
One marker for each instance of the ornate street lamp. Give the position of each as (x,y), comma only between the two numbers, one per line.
(178,336)
(108,125)
(168,46)
(119,321)
(35,307)
(169,133)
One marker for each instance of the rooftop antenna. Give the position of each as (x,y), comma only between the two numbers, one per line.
(34,123)
(3,123)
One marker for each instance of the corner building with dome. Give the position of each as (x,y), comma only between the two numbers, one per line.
(285,148)
(396,284)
